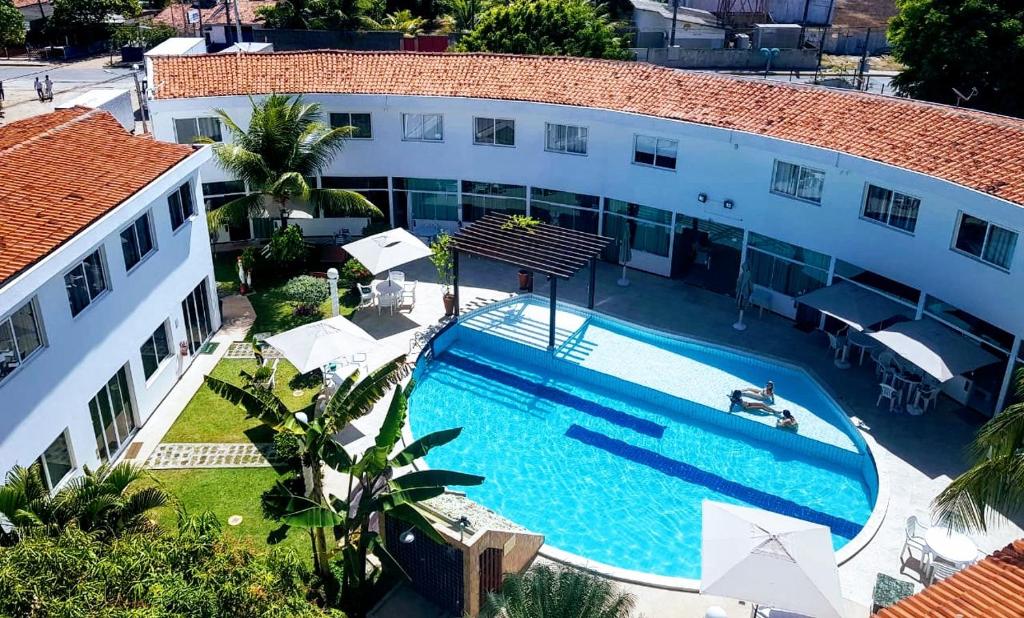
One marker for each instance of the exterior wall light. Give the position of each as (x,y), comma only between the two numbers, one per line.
(728,204)
(702,197)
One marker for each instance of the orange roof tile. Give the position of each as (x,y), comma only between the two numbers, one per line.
(60,172)
(175,15)
(992,588)
(20,4)
(974,149)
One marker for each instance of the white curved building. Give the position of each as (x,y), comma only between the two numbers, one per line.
(809,186)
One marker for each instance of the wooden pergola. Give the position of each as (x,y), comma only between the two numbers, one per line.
(544,249)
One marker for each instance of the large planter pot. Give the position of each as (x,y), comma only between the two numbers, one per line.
(525,281)
(449,303)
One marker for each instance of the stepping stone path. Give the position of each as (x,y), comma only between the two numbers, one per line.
(178,455)
(243,349)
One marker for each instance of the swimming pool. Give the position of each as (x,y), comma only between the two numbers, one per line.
(608,445)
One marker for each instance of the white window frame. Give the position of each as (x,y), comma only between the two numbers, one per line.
(800,175)
(160,362)
(405,127)
(657,146)
(886,224)
(350,114)
(40,333)
(579,128)
(104,266)
(152,239)
(198,133)
(192,198)
(984,244)
(494,124)
(53,487)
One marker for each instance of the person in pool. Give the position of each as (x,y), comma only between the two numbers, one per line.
(766,394)
(736,399)
(787,421)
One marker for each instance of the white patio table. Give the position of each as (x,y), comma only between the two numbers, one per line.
(953,547)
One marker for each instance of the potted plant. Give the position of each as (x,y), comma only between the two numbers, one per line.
(246,262)
(441,256)
(527,224)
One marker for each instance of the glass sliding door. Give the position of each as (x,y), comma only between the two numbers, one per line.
(196,311)
(113,415)
(431,204)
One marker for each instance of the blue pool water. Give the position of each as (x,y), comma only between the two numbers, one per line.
(614,475)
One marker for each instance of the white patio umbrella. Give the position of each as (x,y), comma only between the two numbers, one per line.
(769,559)
(311,346)
(387,250)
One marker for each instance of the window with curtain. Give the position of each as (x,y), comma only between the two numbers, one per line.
(494,131)
(422,127)
(20,336)
(563,138)
(985,241)
(362,126)
(802,183)
(655,151)
(136,241)
(891,208)
(86,282)
(155,350)
(190,130)
(431,199)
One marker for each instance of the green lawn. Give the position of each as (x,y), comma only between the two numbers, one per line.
(226,492)
(209,418)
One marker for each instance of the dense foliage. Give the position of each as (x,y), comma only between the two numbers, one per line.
(83,21)
(12,29)
(287,248)
(354,272)
(557,592)
(307,291)
(321,14)
(962,44)
(149,35)
(196,572)
(546,27)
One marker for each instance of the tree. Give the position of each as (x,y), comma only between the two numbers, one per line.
(401,21)
(557,592)
(545,27)
(99,502)
(12,25)
(84,21)
(196,571)
(994,484)
(962,44)
(317,14)
(284,146)
(465,13)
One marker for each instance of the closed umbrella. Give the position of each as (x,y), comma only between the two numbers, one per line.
(311,346)
(387,250)
(625,251)
(744,287)
(769,559)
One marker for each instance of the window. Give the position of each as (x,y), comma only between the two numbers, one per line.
(427,199)
(480,198)
(360,123)
(85,282)
(650,229)
(891,208)
(180,205)
(494,131)
(21,335)
(985,241)
(569,210)
(786,268)
(566,138)
(136,241)
(155,350)
(56,461)
(655,151)
(196,310)
(190,130)
(113,417)
(803,183)
(423,127)
(216,194)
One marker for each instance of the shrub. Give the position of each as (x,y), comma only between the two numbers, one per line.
(287,248)
(354,272)
(308,292)
(288,447)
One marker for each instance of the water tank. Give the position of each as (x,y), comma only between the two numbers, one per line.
(742,41)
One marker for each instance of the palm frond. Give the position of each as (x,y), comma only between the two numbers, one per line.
(361,399)
(989,491)
(238,211)
(341,203)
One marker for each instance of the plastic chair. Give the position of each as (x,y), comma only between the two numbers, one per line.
(926,396)
(895,396)
(365,295)
(408,294)
(397,276)
(915,539)
(836,345)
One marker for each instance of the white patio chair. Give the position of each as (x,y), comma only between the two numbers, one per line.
(409,294)
(365,295)
(836,345)
(273,374)
(389,302)
(915,540)
(939,570)
(894,395)
(397,276)
(926,396)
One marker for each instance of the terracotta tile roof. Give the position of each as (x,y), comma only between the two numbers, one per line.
(992,588)
(85,163)
(974,149)
(174,15)
(20,4)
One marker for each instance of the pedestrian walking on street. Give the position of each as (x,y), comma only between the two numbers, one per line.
(39,89)
(2,97)
(48,88)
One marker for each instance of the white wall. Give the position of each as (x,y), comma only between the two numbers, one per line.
(51,390)
(724,164)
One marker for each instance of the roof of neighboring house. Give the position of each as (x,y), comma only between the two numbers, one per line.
(175,14)
(20,4)
(91,165)
(684,14)
(992,588)
(974,149)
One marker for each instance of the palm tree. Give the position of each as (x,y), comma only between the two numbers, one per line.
(464,13)
(557,592)
(98,502)
(994,484)
(402,21)
(285,145)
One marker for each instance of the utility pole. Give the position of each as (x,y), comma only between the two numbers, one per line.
(143,108)
(862,85)
(238,22)
(675,11)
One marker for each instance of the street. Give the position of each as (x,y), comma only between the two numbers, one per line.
(69,81)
